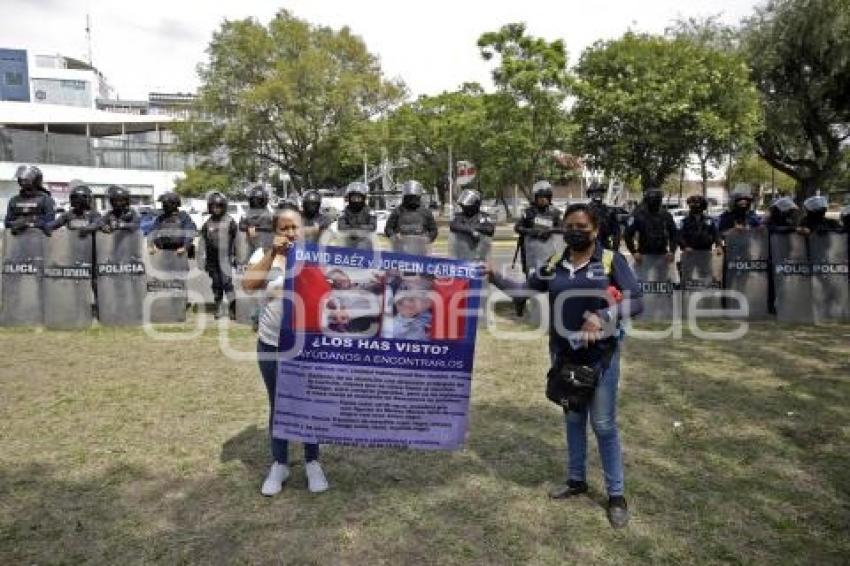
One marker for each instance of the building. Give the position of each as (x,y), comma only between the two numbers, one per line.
(49,78)
(97,147)
(58,113)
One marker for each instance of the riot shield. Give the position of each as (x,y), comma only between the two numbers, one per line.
(415,245)
(68,296)
(23,265)
(120,272)
(830,291)
(746,270)
(657,280)
(537,252)
(247,304)
(357,239)
(167,274)
(199,285)
(464,246)
(792,277)
(701,280)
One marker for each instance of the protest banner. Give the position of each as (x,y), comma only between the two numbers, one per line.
(376,349)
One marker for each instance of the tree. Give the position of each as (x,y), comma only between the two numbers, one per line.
(728,116)
(753,170)
(799,52)
(646,103)
(203,179)
(526,118)
(287,94)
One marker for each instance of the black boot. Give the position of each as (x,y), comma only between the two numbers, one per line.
(618,511)
(570,489)
(219,310)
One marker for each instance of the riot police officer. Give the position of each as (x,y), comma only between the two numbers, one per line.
(814,219)
(218,236)
(81,217)
(783,216)
(654,227)
(257,222)
(410,218)
(32,207)
(740,215)
(120,216)
(539,221)
(698,230)
(314,223)
(173,228)
(470,223)
(845,218)
(609,226)
(356,219)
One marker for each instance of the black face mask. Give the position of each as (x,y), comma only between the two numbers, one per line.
(817,214)
(740,212)
(356,206)
(696,210)
(470,210)
(653,204)
(578,240)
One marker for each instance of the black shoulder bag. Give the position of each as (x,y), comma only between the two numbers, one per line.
(571,385)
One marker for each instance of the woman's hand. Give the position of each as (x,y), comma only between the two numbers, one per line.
(281,244)
(591,330)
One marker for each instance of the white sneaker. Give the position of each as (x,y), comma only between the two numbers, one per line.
(278,474)
(316,481)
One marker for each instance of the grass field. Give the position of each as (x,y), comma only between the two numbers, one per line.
(115,448)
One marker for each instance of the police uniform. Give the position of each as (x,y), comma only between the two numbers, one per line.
(172,231)
(537,223)
(404,221)
(656,232)
(35,210)
(698,233)
(609,226)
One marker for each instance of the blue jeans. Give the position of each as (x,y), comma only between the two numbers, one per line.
(267,359)
(603,418)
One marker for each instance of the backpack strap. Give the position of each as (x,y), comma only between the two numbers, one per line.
(608,262)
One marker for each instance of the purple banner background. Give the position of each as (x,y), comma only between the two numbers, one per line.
(377,392)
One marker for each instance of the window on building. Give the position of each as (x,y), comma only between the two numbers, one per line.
(73,85)
(14,79)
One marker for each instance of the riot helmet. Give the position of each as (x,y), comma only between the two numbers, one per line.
(80,199)
(816,207)
(653,197)
(216,204)
(596,192)
(742,200)
(288,203)
(311,203)
(469,201)
(541,192)
(697,204)
(257,197)
(355,195)
(29,178)
(783,205)
(170,202)
(119,199)
(411,194)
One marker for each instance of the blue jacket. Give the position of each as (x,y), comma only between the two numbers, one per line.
(568,308)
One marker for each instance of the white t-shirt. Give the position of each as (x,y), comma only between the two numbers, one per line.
(268,331)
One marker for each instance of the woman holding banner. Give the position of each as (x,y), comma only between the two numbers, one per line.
(590,289)
(265,272)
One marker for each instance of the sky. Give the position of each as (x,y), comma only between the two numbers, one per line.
(156,45)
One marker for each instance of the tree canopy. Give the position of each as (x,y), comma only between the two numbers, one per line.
(286,94)
(799,53)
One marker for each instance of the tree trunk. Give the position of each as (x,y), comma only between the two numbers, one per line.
(703,169)
(806,187)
